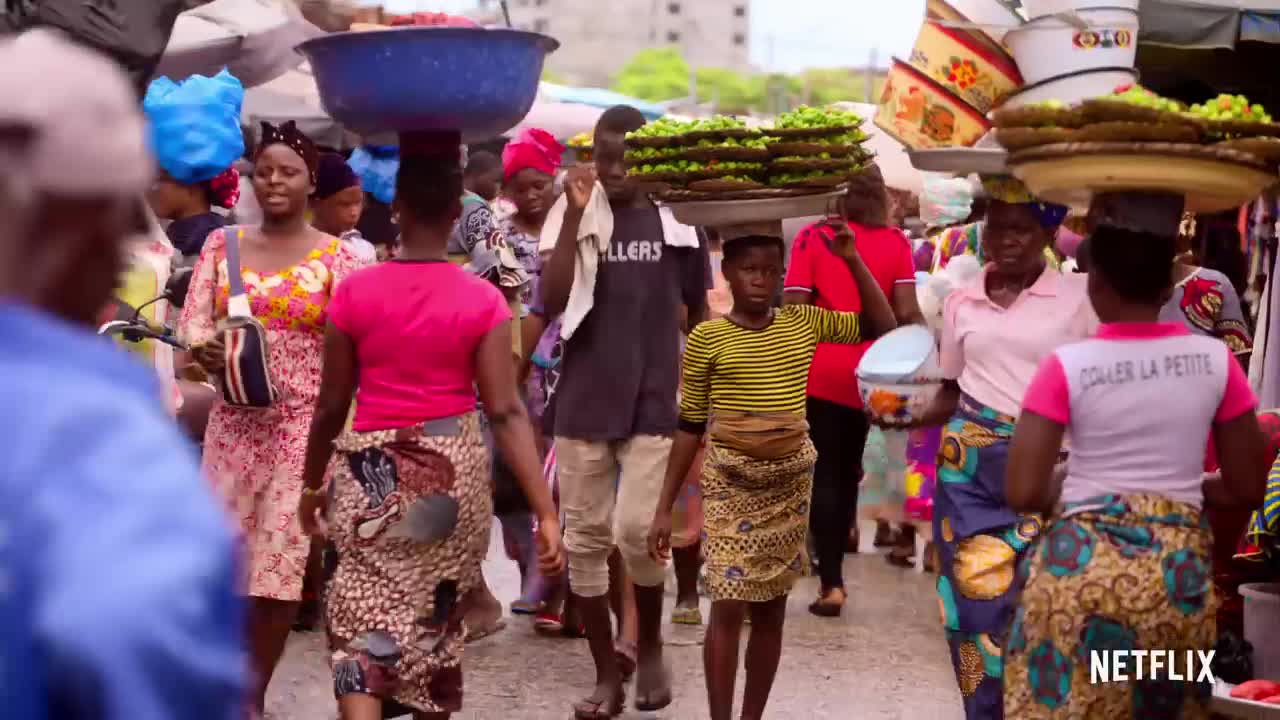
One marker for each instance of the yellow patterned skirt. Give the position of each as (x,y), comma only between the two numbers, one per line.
(756,519)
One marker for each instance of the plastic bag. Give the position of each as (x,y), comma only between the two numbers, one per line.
(132,32)
(377,167)
(195,125)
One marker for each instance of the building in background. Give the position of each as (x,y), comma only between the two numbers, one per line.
(598,37)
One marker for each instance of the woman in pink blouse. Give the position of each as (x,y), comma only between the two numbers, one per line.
(995,333)
(1125,562)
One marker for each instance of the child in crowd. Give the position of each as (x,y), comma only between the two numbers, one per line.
(744,385)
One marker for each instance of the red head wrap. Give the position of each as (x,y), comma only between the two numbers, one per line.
(533,148)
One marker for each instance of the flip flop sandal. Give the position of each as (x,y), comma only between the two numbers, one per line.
(592,709)
(686,616)
(483,633)
(525,607)
(903,561)
(548,624)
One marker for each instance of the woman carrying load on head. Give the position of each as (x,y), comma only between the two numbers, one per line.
(412,498)
(996,331)
(196,129)
(254,456)
(1125,561)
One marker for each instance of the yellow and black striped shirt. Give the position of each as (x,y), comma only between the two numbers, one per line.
(733,369)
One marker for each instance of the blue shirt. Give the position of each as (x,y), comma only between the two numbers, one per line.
(117,580)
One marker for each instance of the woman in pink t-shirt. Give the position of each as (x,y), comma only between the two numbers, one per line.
(411,498)
(1124,562)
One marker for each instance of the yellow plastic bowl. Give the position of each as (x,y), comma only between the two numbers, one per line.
(921,114)
(978,74)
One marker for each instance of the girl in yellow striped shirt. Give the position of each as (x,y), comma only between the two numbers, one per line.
(745,377)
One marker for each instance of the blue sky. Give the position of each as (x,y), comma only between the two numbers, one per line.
(790,35)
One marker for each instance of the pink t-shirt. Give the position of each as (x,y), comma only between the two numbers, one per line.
(1139,400)
(814,269)
(993,352)
(416,327)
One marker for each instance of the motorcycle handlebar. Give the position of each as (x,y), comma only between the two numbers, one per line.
(139,331)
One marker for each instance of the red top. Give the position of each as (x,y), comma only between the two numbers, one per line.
(815,269)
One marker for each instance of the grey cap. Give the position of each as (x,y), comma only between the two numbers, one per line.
(88,133)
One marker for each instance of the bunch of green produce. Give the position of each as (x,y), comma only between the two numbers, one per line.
(718,122)
(819,156)
(1230,107)
(732,167)
(806,118)
(739,178)
(674,166)
(638,154)
(750,143)
(797,177)
(662,127)
(1138,95)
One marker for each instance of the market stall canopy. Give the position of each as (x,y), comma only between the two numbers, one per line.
(598,97)
(254,39)
(1195,49)
(1209,24)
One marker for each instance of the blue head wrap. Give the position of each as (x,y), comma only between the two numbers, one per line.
(195,125)
(377,166)
(1011,191)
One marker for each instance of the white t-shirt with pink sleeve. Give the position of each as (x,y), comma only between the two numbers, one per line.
(1139,401)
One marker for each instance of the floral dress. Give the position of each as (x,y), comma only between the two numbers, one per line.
(254,456)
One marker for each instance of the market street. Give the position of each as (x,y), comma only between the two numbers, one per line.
(884,659)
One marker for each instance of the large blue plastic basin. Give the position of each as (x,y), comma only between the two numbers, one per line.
(481,82)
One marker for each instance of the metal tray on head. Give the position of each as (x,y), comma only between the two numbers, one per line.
(713,213)
(961,160)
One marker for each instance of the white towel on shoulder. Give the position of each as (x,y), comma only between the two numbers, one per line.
(595,232)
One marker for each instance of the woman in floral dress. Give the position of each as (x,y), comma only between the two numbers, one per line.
(254,456)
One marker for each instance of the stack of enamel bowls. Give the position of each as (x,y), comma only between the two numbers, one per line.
(958,71)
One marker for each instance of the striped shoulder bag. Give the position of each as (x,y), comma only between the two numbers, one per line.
(246,378)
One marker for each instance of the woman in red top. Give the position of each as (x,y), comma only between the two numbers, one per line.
(837,423)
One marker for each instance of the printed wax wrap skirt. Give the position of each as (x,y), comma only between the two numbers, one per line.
(756,515)
(410,523)
(1113,573)
(979,540)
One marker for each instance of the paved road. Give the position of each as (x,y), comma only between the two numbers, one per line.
(885,659)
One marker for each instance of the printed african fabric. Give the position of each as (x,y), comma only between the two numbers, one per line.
(411,515)
(756,515)
(979,541)
(1207,304)
(253,456)
(1113,573)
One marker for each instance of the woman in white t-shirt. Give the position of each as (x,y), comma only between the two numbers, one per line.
(1124,563)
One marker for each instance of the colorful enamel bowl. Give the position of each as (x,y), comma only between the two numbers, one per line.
(977,73)
(920,113)
(1050,46)
(900,374)
(993,18)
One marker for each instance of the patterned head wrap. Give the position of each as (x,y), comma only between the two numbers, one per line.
(533,148)
(291,137)
(1011,191)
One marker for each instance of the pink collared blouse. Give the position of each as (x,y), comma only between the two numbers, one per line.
(994,352)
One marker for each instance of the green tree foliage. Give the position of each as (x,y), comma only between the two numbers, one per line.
(660,74)
(654,74)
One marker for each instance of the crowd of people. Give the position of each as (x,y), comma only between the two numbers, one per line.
(548,346)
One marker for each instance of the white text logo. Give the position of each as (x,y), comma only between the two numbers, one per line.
(1124,665)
